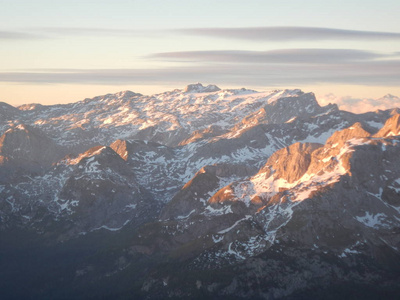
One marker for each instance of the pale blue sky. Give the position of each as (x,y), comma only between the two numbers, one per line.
(63,51)
(156,14)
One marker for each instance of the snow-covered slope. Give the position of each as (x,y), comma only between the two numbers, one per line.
(168,118)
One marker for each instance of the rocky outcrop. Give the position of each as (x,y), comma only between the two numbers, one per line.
(8,112)
(102,192)
(199,88)
(157,167)
(25,150)
(24,142)
(391,128)
(192,197)
(299,105)
(290,163)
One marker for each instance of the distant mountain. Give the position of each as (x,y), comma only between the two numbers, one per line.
(199,193)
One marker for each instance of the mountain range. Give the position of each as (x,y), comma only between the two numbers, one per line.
(199,193)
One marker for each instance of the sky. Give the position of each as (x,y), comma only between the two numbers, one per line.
(346,52)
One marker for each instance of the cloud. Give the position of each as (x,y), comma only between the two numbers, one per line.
(59,32)
(297,66)
(361,105)
(277,34)
(290,34)
(107,32)
(297,56)
(15,35)
(383,73)
(277,75)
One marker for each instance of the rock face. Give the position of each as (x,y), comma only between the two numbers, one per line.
(102,192)
(290,163)
(207,181)
(25,150)
(391,128)
(199,193)
(199,88)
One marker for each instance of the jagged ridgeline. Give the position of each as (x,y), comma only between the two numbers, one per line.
(199,193)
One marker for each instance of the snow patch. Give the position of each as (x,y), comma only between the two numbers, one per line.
(217,238)
(234,225)
(371,220)
(235,253)
(111,228)
(210,211)
(374,124)
(187,216)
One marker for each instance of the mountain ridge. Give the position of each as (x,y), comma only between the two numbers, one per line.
(184,193)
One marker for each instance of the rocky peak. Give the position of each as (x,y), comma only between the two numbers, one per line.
(302,101)
(7,111)
(127,94)
(26,151)
(286,107)
(135,149)
(290,163)
(391,127)
(394,111)
(199,88)
(390,96)
(191,196)
(28,143)
(340,137)
(98,152)
(335,156)
(29,107)
(121,148)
